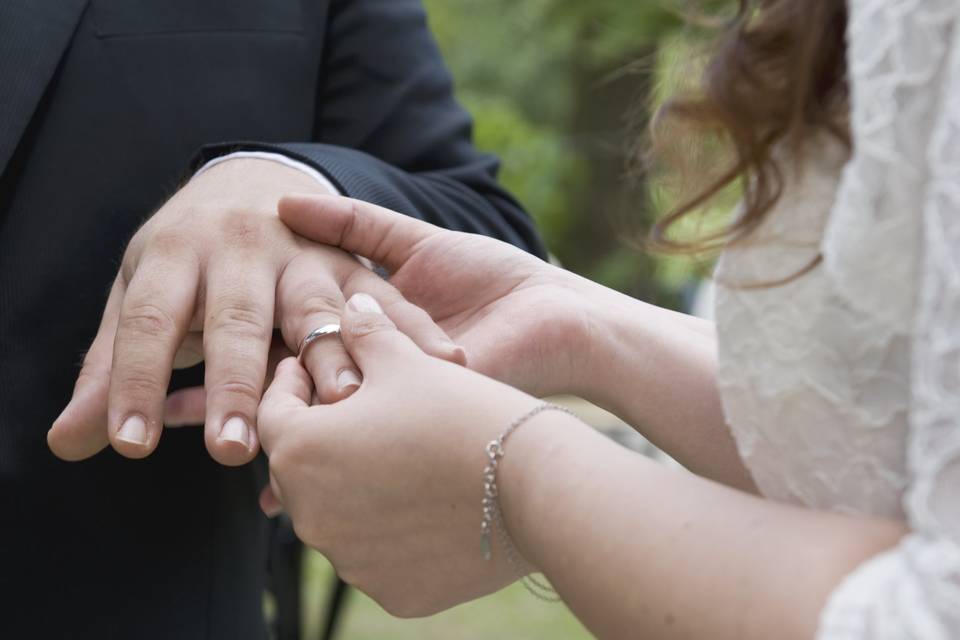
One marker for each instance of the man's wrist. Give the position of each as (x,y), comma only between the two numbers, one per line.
(308,179)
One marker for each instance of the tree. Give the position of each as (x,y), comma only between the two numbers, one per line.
(560,90)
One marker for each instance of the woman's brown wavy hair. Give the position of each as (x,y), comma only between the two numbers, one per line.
(777,77)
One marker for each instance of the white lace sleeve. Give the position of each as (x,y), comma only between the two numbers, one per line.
(905,67)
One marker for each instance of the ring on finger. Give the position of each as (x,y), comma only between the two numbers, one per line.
(320,332)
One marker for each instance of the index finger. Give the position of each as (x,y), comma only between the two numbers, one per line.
(153,319)
(290,390)
(384,236)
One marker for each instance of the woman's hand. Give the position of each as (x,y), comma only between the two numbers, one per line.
(520,319)
(388,482)
(545,330)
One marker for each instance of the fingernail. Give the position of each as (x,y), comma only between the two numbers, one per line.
(133,430)
(236,430)
(364,303)
(348,378)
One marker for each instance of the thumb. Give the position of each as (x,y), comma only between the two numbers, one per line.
(384,236)
(371,338)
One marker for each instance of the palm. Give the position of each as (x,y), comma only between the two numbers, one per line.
(509,310)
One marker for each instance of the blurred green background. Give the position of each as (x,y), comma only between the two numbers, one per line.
(561,90)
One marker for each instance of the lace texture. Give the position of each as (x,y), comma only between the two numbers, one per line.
(842,387)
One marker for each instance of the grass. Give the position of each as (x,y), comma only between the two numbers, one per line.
(511,613)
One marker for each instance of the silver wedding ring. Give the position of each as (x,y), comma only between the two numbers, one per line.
(316,334)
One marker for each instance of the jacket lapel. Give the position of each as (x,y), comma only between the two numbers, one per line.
(33,36)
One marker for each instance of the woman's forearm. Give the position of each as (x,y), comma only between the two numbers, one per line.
(641,551)
(656,370)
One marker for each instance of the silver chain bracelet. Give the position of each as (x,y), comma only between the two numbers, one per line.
(493,516)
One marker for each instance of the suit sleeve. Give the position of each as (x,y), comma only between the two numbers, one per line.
(389,131)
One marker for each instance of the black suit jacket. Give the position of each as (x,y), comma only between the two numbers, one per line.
(103,104)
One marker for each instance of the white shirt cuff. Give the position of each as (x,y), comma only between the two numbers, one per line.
(274,157)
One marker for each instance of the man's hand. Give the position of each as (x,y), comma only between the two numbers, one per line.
(208,278)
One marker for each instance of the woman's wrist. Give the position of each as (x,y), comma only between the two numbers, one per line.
(541,478)
(589,314)
(651,366)
(614,330)
(534,454)
(656,370)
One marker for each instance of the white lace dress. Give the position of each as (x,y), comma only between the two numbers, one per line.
(842,387)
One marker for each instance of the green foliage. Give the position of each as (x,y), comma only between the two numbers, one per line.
(508,49)
(616,27)
(536,162)
(550,84)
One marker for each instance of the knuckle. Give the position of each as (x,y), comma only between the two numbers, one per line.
(282,459)
(350,222)
(368,324)
(139,383)
(362,279)
(353,576)
(328,391)
(93,366)
(322,301)
(170,242)
(318,307)
(356,278)
(275,419)
(267,416)
(310,531)
(127,269)
(136,244)
(147,319)
(399,605)
(91,374)
(238,387)
(242,228)
(242,318)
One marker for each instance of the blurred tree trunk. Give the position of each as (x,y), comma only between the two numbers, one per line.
(612,109)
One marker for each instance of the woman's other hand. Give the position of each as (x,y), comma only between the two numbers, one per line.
(387,483)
